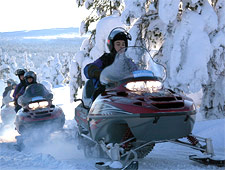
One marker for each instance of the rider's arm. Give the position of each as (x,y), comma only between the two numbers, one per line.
(20,93)
(93,70)
(15,91)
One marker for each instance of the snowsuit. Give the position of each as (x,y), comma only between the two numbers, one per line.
(93,70)
(20,93)
(20,88)
(7,89)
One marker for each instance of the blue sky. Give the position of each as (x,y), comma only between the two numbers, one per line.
(16,15)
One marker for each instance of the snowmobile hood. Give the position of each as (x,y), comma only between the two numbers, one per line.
(34,92)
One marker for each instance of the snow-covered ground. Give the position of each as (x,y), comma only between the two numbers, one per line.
(60,151)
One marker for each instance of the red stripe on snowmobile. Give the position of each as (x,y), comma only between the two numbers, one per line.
(140,109)
(79,115)
(94,123)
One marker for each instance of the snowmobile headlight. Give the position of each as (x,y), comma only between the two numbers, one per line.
(33,105)
(43,104)
(144,86)
(12,104)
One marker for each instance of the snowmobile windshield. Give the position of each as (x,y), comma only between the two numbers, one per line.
(34,92)
(132,62)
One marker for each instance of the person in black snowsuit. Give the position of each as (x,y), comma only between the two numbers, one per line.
(30,78)
(10,85)
(20,73)
(117,39)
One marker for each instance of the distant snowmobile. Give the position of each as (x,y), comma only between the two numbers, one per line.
(8,113)
(38,115)
(134,113)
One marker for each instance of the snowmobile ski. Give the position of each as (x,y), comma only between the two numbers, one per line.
(19,146)
(208,160)
(104,166)
(133,165)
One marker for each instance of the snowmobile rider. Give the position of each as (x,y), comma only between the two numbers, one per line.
(10,85)
(117,39)
(30,78)
(20,73)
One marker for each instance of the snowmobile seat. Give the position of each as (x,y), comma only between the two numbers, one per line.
(87,93)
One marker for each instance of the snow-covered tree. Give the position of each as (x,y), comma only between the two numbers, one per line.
(65,60)
(187,35)
(4,68)
(36,56)
(94,46)
(213,101)
(100,9)
(54,68)
(192,51)
(7,65)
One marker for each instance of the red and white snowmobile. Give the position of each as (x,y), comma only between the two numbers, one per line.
(38,117)
(134,113)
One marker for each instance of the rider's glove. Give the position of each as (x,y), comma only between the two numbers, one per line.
(94,71)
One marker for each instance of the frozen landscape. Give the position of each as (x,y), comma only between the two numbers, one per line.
(60,150)
(192,50)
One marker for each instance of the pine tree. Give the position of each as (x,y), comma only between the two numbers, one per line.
(100,9)
(213,103)
(168,39)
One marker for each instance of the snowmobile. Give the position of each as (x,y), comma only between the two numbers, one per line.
(134,113)
(38,115)
(8,113)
